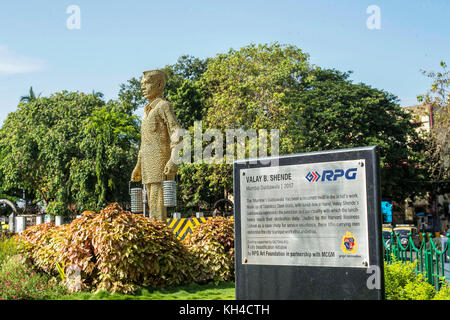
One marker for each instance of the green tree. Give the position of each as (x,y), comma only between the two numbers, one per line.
(200,185)
(275,87)
(130,96)
(335,113)
(71,150)
(247,88)
(110,145)
(183,89)
(438,96)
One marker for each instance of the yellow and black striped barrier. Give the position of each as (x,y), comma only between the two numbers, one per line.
(181,227)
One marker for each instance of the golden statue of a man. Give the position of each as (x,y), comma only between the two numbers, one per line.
(159,136)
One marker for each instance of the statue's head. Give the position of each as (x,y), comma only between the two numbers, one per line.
(153,83)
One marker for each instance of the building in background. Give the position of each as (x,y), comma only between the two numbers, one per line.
(432,212)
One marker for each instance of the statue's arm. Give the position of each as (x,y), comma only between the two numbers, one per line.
(170,120)
(174,131)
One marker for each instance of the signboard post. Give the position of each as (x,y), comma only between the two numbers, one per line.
(309,227)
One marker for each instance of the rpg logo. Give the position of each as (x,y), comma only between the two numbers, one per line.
(330,175)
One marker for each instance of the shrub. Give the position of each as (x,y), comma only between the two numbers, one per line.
(8,248)
(6,234)
(132,249)
(419,290)
(444,292)
(78,250)
(402,283)
(114,250)
(36,243)
(212,246)
(19,281)
(68,246)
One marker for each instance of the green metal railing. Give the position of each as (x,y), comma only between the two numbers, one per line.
(431,259)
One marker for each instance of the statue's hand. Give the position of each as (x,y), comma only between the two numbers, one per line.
(170,168)
(136,175)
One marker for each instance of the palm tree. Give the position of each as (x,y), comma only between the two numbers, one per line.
(30,97)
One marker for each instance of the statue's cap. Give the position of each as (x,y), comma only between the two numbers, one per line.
(152,73)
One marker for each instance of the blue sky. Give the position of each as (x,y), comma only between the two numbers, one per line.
(119,39)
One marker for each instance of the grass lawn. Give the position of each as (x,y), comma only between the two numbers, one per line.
(210,291)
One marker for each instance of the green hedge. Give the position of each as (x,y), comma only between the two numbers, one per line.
(402,283)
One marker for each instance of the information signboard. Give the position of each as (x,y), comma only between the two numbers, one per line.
(308,227)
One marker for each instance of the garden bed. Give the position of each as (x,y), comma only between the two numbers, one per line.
(115,251)
(121,256)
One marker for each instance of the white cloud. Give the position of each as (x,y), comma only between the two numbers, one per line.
(13,63)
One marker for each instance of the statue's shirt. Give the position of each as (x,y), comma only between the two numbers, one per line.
(158,126)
